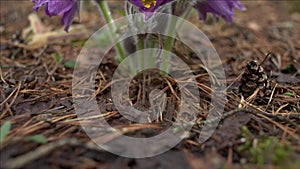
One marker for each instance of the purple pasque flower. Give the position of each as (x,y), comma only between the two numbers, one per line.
(148,6)
(67,8)
(222,8)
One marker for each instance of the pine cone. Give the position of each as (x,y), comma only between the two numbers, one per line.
(254,78)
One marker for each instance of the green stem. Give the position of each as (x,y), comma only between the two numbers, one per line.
(185,15)
(141,46)
(109,20)
(151,54)
(168,46)
(170,40)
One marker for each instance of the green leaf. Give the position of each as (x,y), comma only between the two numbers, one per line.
(289,94)
(4,130)
(71,64)
(37,138)
(121,12)
(118,59)
(58,58)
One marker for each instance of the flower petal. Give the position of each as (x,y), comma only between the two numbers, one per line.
(59,7)
(223,8)
(68,17)
(148,11)
(39,3)
(67,8)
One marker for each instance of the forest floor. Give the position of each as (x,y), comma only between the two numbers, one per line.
(40,128)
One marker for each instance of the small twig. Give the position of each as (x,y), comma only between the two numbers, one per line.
(281,107)
(257,113)
(22,160)
(9,96)
(172,90)
(40,54)
(234,81)
(271,97)
(1,75)
(109,114)
(279,117)
(280,126)
(20,45)
(16,91)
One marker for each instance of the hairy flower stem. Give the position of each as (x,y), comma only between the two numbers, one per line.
(175,24)
(153,45)
(112,27)
(141,46)
(168,47)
